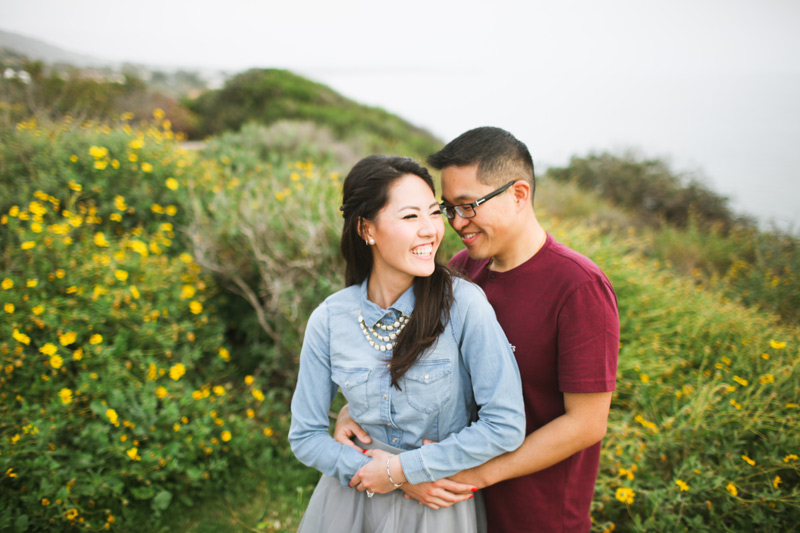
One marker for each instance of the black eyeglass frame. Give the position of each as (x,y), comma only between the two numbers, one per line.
(450,211)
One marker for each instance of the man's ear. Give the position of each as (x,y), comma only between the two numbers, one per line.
(522,192)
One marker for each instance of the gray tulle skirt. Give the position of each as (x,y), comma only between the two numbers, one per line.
(337,509)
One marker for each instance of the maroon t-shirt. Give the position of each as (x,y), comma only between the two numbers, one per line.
(559,312)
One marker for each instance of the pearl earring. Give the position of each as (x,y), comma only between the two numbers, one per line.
(371,240)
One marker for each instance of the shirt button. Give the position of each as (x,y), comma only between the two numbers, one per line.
(427,376)
(492,276)
(394,439)
(384,396)
(347,383)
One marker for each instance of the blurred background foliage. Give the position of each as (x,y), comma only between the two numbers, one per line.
(155,292)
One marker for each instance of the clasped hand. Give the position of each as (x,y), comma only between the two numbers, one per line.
(372,476)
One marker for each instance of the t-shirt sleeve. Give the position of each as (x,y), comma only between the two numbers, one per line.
(588,339)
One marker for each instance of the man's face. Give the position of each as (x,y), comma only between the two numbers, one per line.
(488,232)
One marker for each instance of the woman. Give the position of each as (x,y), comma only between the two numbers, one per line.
(418,355)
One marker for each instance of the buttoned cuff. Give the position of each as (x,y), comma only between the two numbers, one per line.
(414,467)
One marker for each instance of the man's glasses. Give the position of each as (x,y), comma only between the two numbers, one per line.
(468,210)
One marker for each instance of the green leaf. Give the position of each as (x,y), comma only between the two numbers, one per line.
(162,500)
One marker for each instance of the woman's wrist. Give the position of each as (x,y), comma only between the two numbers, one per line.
(395,471)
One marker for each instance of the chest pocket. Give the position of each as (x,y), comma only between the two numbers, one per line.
(353,382)
(427,385)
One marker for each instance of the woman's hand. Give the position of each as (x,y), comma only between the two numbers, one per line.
(347,428)
(372,476)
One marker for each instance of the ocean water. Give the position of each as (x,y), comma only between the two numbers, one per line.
(737,133)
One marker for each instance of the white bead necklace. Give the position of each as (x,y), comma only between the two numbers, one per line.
(392,329)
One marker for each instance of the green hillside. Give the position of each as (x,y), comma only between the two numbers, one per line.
(154,302)
(266,96)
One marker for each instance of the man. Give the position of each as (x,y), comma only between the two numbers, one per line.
(559,313)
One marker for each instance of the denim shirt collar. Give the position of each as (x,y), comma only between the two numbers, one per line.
(373,313)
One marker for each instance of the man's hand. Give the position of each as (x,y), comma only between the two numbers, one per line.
(439,494)
(347,428)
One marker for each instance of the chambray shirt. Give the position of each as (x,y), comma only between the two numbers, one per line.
(464,392)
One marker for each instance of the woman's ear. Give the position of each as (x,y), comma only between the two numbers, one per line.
(365,230)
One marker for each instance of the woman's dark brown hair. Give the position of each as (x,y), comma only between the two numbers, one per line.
(365,192)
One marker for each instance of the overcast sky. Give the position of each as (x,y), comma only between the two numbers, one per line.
(713,85)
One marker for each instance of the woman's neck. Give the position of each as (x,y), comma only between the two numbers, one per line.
(385,290)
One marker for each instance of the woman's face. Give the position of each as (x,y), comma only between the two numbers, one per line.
(407,231)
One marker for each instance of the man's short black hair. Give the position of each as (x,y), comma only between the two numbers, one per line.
(499,155)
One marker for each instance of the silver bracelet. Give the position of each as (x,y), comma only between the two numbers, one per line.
(389,473)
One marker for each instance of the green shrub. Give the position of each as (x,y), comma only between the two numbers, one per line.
(128,178)
(649,188)
(267,224)
(120,397)
(703,428)
(270,95)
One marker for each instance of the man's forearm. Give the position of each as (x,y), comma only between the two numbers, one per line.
(579,428)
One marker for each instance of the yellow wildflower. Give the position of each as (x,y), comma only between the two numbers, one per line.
(776,481)
(777,345)
(10,473)
(161,393)
(27,245)
(196,307)
(147,167)
(197,395)
(741,381)
(48,349)
(172,184)
(32,283)
(268,432)
(21,337)
(188,291)
(38,309)
(152,372)
(258,395)
(682,484)
(226,436)
(72,514)
(113,416)
(748,460)
(789,458)
(158,113)
(250,413)
(176,371)
(7,284)
(172,210)
(9,308)
(224,354)
(100,165)
(156,208)
(98,152)
(77,187)
(766,378)
(248,380)
(96,338)
(45,502)
(121,275)
(732,489)
(625,495)
(136,144)
(100,239)
(219,390)
(56,361)
(78,354)
(67,338)
(65,395)
(133,453)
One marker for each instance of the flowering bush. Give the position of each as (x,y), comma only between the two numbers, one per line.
(119,395)
(703,427)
